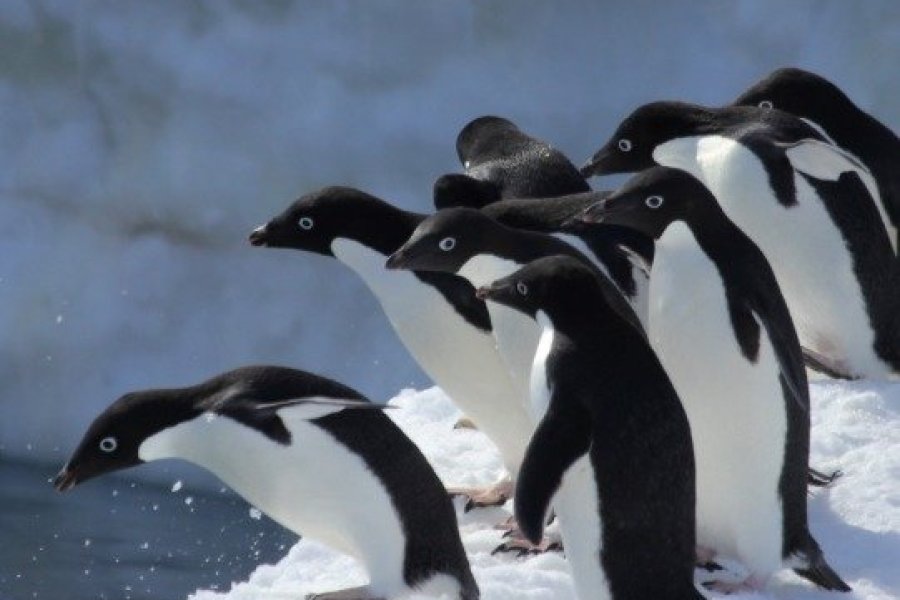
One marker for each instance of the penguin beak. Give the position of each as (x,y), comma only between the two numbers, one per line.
(483,293)
(410,257)
(595,213)
(598,164)
(65,480)
(397,260)
(259,236)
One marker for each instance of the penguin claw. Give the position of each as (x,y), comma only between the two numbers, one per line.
(522,547)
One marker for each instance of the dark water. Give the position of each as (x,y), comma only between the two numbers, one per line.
(119,539)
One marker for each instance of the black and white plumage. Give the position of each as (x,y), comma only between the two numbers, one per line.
(307,451)
(613,448)
(723,332)
(474,246)
(501,161)
(827,108)
(436,315)
(811,208)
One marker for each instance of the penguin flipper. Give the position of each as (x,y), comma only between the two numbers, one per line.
(458,189)
(562,436)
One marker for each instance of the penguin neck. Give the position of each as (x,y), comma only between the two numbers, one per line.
(381,227)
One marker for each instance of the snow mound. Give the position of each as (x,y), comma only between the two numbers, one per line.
(856,428)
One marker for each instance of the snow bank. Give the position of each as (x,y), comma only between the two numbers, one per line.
(856,428)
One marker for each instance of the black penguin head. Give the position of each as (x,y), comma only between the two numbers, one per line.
(800,93)
(653,199)
(114,438)
(446,240)
(457,189)
(631,147)
(548,284)
(485,138)
(314,221)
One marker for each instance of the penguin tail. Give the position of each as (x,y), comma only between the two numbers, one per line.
(813,567)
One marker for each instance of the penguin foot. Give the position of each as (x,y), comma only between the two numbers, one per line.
(819,479)
(753,583)
(357,593)
(516,543)
(465,422)
(495,495)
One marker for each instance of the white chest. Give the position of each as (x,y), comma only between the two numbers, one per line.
(311,486)
(460,358)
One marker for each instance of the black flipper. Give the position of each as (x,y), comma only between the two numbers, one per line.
(457,189)
(563,436)
(818,571)
(773,315)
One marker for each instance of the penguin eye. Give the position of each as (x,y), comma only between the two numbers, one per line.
(766,104)
(306,223)
(654,202)
(522,288)
(625,145)
(109,444)
(447,244)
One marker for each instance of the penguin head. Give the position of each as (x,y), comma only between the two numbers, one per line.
(553,284)
(457,189)
(485,138)
(798,92)
(113,440)
(314,221)
(651,200)
(446,240)
(631,147)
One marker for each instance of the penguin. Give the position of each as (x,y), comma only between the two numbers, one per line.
(823,105)
(436,315)
(502,161)
(613,449)
(470,244)
(307,451)
(810,208)
(742,383)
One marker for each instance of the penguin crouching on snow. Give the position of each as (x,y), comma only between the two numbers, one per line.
(501,161)
(307,451)
(723,332)
(626,511)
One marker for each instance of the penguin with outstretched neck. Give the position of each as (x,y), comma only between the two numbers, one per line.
(823,105)
(626,511)
(502,161)
(722,330)
(444,326)
(307,451)
(812,209)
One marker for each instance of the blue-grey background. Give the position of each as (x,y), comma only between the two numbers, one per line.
(141,141)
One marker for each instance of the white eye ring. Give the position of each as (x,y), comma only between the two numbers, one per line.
(447,244)
(306,223)
(624,145)
(654,202)
(109,444)
(522,288)
(766,104)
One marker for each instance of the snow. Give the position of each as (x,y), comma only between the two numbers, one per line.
(856,428)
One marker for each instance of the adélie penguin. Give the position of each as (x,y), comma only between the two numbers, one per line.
(613,449)
(826,107)
(502,161)
(723,332)
(314,455)
(811,208)
(470,244)
(436,315)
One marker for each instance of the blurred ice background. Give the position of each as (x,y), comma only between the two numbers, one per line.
(141,141)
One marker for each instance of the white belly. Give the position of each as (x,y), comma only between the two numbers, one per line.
(313,486)
(735,408)
(459,357)
(804,247)
(516,333)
